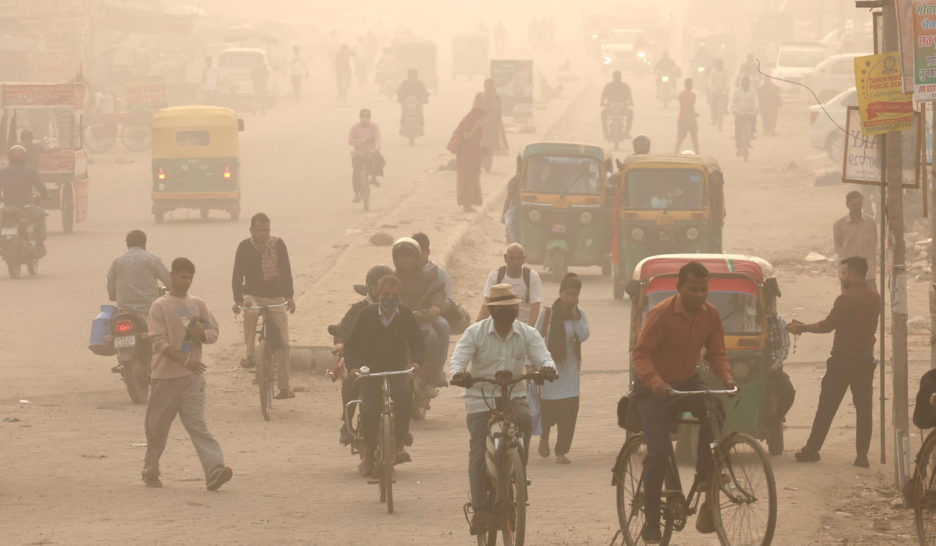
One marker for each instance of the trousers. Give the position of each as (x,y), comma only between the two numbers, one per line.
(854,372)
(478,433)
(280,317)
(185,397)
(655,417)
(437,334)
(401,392)
(562,413)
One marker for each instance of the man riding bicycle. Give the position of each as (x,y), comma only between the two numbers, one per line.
(385,338)
(665,357)
(744,107)
(500,342)
(364,138)
(616,93)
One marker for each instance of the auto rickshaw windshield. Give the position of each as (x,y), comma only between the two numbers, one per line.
(680,189)
(736,299)
(563,175)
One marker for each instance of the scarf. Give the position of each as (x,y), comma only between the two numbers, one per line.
(556,336)
(268,258)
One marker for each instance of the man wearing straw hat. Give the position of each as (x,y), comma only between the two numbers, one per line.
(499,342)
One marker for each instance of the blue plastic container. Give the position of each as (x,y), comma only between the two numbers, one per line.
(102,340)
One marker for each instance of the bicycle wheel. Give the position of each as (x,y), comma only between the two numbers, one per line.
(628,480)
(924,509)
(512,505)
(743,493)
(136,137)
(265,380)
(387,459)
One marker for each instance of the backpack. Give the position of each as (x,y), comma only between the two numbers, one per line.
(502,272)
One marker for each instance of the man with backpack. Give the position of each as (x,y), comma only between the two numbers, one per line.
(525,281)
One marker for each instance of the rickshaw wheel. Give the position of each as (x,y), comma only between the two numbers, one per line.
(775,439)
(159,215)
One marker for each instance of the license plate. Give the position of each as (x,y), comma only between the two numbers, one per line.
(558,229)
(124,342)
(9,232)
(666,235)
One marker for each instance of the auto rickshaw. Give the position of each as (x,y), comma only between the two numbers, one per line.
(745,291)
(196,160)
(561,217)
(53,112)
(665,204)
(470,55)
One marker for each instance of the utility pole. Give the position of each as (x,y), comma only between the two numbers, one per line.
(932,252)
(894,175)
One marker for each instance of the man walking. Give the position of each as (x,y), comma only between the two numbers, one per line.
(524,280)
(687,123)
(262,277)
(854,319)
(856,234)
(298,71)
(179,324)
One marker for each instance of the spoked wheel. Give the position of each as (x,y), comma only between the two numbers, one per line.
(32,266)
(511,510)
(137,377)
(135,137)
(744,494)
(100,138)
(630,492)
(386,460)
(14,266)
(365,192)
(924,511)
(265,381)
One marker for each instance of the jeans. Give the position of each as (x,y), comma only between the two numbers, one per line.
(185,397)
(478,431)
(855,372)
(562,413)
(655,418)
(401,392)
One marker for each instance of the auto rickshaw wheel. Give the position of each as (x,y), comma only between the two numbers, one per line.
(775,439)
(159,215)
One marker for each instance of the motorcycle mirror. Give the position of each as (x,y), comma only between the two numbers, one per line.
(360,289)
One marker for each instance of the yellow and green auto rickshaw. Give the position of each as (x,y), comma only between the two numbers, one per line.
(665,204)
(561,219)
(745,291)
(196,160)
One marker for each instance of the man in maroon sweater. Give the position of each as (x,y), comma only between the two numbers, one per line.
(665,358)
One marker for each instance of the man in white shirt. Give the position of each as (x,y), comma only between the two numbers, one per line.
(744,107)
(524,280)
(298,71)
(210,77)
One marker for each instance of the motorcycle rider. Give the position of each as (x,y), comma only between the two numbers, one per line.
(412,87)
(134,277)
(17,184)
(424,294)
(666,67)
(616,93)
(744,107)
(364,138)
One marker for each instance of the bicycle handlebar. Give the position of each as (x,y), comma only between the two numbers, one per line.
(513,380)
(734,390)
(365,373)
(262,307)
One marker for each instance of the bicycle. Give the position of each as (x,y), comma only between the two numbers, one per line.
(924,492)
(362,177)
(741,479)
(385,455)
(507,481)
(269,343)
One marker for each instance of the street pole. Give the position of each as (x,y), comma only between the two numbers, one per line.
(894,175)
(932,249)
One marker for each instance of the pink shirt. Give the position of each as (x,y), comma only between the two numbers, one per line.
(687,105)
(167,321)
(364,138)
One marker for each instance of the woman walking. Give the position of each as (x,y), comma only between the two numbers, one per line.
(494,140)
(466,145)
(565,327)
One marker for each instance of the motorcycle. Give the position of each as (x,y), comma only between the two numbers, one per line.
(18,242)
(666,90)
(134,352)
(618,114)
(411,119)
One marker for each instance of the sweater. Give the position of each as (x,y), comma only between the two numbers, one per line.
(248,274)
(384,348)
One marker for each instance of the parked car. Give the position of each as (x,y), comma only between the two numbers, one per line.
(832,76)
(824,131)
(794,60)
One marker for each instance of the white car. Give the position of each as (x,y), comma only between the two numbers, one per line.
(824,133)
(832,76)
(794,60)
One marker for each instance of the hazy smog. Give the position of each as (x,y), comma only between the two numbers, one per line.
(431,273)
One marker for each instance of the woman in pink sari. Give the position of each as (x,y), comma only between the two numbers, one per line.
(466,145)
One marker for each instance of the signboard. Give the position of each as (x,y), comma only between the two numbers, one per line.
(924,50)
(905,40)
(884,106)
(148,92)
(514,83)
(862,161)
(41,95)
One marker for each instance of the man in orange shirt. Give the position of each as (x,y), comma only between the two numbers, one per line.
(668,349)
(687,122)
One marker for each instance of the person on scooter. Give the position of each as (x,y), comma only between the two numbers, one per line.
(18,185)
(364,139)
(616,93)
(412,88)
(666,67)
(385,338)
(134,277)
(425,295)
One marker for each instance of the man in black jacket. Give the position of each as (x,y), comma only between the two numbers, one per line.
(263,276)
(385,338)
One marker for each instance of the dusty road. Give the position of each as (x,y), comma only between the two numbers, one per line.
(72,453)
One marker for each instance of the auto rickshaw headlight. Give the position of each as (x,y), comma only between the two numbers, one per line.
(741,369)
(585,217)
(637,234)
(535,215)
(692,233)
